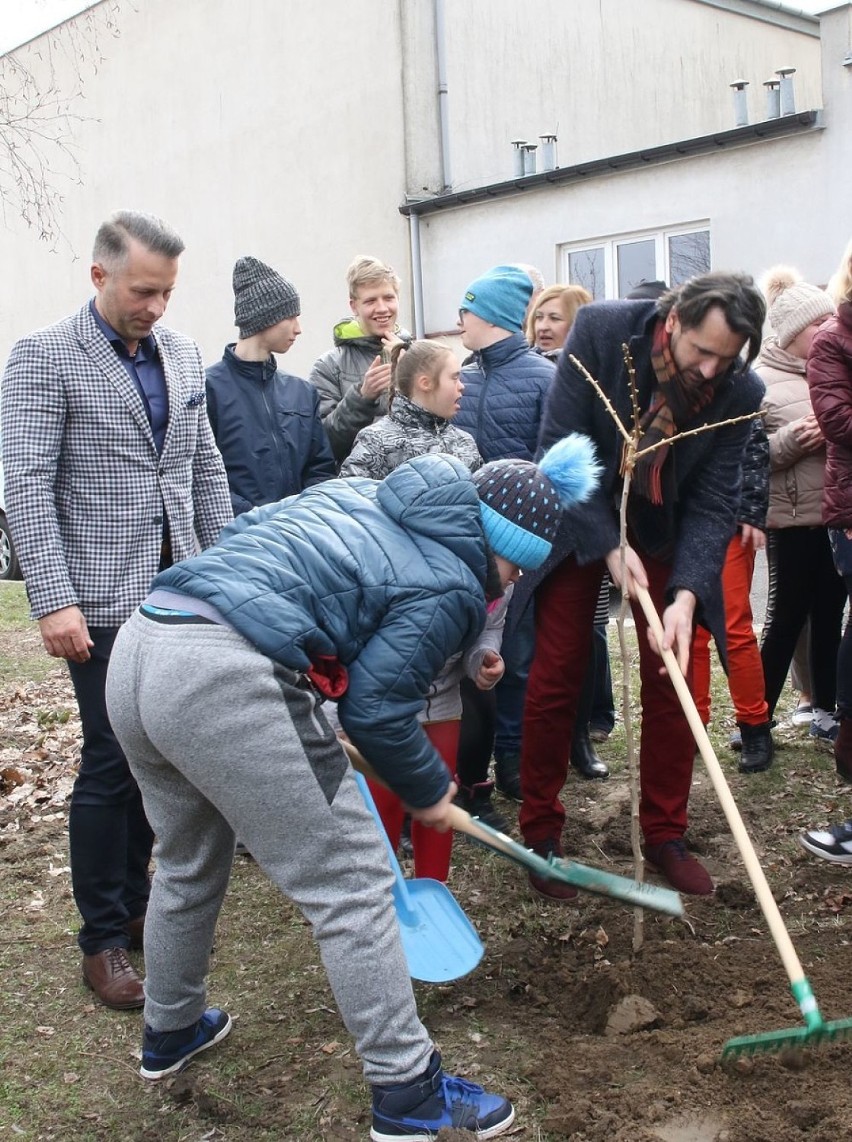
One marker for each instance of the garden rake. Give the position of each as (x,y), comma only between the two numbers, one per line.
(816,1029)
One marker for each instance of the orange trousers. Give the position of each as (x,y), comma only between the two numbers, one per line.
(745,671)
(432,850)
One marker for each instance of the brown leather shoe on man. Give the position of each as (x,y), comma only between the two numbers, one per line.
(112,978)
(555,890)
(680,868)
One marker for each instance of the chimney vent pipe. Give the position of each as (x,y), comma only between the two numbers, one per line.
(788,97)
(548,152)
(529,157)
(740,102)
(519,145)
(773,98)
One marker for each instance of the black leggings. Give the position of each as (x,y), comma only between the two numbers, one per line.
(803,583)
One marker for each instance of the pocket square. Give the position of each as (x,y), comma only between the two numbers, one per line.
(195,399)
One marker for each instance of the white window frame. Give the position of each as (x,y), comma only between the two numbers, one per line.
(611,242)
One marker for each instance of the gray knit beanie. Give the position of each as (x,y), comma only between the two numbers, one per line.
(262,297)
(793,303)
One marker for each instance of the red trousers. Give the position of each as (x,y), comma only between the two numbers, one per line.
(565,607)
(745,670)
(432,850)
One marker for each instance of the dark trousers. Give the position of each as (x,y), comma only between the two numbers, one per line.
(517,652)
(110,838)
(803,583)
(477,734)
(565,607)
(844,663)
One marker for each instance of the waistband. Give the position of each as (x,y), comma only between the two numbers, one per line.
(184,606)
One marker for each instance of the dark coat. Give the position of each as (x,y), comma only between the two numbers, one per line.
(267,427)
(829,372)
(503,398)
(387,578)
(708,467)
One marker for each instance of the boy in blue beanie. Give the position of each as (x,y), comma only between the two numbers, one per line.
(357,590)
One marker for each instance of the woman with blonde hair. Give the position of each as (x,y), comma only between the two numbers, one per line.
(551,318)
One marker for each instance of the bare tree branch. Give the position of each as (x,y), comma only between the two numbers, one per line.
(42,88)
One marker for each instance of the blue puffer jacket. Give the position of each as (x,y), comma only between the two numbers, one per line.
(268,428)
(387,577)
(503,398)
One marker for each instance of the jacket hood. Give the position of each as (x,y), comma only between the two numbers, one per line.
(773,356)
(435,496)
(349,332)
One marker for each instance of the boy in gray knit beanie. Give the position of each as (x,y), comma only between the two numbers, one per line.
(262,297)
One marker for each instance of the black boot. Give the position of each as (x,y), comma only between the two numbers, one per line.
(476,800)
(584,759)
(758,748)
(507,771)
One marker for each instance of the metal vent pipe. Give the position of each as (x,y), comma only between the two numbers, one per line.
(518,168)
(788,97)
(773,98)
(548,152)
(740,102)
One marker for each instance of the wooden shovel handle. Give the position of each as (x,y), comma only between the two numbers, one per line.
(755,872)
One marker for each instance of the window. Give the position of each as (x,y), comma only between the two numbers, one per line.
(612,267)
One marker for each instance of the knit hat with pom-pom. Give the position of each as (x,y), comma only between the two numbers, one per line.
(793,303)
(521,503)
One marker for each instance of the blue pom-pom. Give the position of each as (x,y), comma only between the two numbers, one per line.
(572,466)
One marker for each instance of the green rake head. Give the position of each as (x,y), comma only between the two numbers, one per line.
(815,1031)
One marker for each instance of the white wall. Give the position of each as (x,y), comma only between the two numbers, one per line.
(782,200)
(267,127)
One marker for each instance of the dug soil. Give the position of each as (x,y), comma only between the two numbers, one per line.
(593,1040)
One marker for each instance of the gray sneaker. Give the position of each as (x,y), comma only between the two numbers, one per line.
(834,844)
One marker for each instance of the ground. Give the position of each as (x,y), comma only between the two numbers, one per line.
(592,1040)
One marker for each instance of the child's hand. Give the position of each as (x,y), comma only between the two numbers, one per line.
(491,670)
(437,816)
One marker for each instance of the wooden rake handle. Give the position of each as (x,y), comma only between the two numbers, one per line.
(755,872)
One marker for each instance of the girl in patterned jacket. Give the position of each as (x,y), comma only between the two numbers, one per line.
(425,393)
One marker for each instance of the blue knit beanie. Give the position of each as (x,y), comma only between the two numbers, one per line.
(521,503)
(501,296)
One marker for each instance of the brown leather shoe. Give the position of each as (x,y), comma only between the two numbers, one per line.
(135,929)
(112,978)
(555,890)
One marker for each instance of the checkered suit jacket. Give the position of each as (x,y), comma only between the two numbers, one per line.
(85,487)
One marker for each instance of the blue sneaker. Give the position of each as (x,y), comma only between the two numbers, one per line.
(167,1052)
(417,1110)
(823,734)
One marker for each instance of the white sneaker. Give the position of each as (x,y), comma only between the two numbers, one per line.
(803,715)
(835,844)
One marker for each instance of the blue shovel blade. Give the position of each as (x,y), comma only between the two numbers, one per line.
(439,941)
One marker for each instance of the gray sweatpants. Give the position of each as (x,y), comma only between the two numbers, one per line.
(223,741)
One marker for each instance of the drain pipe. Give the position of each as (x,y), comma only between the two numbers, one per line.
(443,116)
(416,273)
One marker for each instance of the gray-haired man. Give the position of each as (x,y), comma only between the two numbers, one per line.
(111,472)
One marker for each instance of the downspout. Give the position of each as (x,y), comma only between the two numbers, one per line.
(443,117)
(443,173)
(416,273)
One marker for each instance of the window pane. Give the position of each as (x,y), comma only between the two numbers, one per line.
(586,268)
(689,254)
(637,262)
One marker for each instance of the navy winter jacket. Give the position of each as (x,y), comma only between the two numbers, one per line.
(268,429)
(387,577)
(707,467)
(503,399)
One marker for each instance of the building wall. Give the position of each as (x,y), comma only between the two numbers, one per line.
(609,76)
(782,200)
(267,127)
(293,131)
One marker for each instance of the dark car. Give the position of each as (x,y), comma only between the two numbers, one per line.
(9,568)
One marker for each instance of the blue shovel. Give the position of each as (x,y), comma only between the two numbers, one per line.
(439,941)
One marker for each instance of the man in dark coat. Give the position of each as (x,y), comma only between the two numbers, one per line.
(267,423)
(683,502)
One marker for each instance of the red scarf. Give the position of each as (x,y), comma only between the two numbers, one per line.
(675,399)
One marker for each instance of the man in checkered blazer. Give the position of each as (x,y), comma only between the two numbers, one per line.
(111,474)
